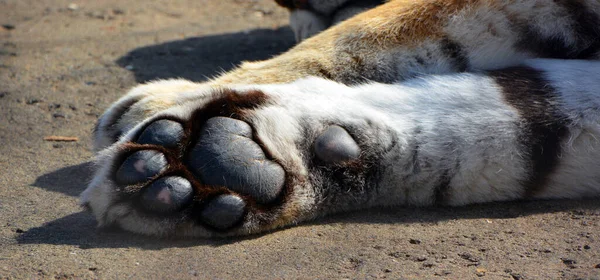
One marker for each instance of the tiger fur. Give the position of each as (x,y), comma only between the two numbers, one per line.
(430,102)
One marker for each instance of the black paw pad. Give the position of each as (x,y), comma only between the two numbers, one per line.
(167,194)
(227,156)
(165,133)
(140,166)
(335,145)
(224,211)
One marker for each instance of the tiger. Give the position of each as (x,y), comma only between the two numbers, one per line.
(409,103)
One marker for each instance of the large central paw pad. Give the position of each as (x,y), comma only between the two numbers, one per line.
(213,178)
(226,155)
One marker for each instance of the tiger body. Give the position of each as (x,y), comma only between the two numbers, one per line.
(399,123)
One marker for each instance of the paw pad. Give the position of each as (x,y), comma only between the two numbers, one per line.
(226,155)
(165,133)
(335,145)
(221,176)
(167,194)
(224,211)
(140,167)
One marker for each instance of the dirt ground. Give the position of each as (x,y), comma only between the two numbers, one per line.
(62,63)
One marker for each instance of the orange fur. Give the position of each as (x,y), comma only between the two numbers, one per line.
(399,23)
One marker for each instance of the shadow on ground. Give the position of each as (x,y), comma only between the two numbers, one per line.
(200,58)
(68,180)
(194,59)
(86,235)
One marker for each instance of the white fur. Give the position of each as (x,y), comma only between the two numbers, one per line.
(460,122)
(149,98)
(577,81)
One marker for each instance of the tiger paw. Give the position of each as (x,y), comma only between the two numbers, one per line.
(228,162)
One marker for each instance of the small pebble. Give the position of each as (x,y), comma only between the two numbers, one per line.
(469,257)
(8,26)
(32,101)
(395,254)
(428,264)
(73,7)
(96,14)
(443,273)
(570,263)
(414,241)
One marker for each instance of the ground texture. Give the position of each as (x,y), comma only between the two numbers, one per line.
(62,63)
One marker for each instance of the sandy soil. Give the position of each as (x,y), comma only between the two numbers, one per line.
(62,63)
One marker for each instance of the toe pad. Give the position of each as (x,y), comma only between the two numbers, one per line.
(335,145)
(224,211)
(167,194)
(165,133)
(140,166)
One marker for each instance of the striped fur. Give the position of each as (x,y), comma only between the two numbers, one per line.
(518,133)
(405,38)
(506,128)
